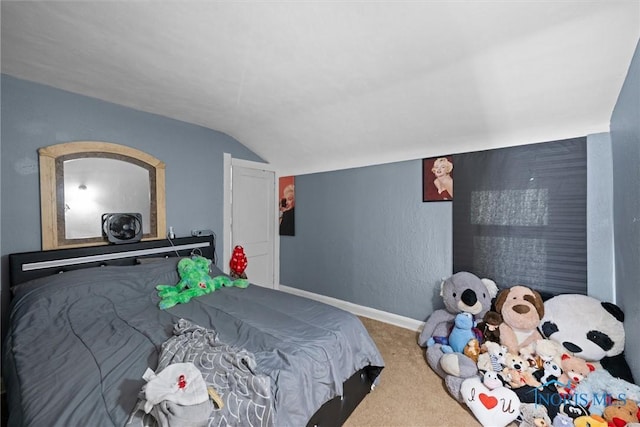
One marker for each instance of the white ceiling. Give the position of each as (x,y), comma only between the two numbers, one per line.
(325,85)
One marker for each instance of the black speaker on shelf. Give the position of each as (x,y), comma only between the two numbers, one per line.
(122,227)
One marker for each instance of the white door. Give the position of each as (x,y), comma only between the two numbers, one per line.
(252,221)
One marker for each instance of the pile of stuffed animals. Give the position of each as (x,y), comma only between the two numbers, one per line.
(511,356)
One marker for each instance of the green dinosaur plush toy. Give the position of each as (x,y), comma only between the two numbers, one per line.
(194,282)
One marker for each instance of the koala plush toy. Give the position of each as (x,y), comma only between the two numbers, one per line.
(461,293)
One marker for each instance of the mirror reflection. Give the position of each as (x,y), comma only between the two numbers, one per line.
(81,180)
(93,186)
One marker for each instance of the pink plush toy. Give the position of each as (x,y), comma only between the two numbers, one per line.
(574,370)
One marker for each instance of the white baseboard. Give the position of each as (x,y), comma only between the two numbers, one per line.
(359,310)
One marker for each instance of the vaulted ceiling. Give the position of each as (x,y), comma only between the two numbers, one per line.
(322,85)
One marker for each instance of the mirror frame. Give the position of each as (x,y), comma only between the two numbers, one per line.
(52,189)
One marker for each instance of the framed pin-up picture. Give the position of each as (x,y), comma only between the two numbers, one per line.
(287,204)
(437,179)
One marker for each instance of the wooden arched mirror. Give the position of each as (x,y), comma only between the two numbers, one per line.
(79,181)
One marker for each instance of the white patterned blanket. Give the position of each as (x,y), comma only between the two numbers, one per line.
(245,394)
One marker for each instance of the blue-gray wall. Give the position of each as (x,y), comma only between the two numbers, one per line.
(625,137)
(364,236)
(600,243)
(35,116)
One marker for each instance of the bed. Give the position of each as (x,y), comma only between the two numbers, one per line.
(85,326)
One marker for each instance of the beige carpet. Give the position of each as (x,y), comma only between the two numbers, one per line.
(409,393)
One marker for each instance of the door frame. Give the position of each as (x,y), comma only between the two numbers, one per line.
(229,162)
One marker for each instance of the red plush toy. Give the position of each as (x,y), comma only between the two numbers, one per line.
(238,263)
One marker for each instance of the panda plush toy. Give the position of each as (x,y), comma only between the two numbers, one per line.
(588,328)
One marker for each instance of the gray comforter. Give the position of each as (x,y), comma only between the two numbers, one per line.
(79,343)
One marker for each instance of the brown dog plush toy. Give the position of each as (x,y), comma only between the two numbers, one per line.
(521,309)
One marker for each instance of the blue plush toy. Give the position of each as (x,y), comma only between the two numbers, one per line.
(599,384)
(461,333)
(562,420)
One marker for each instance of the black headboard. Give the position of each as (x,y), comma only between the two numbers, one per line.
(32,265)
